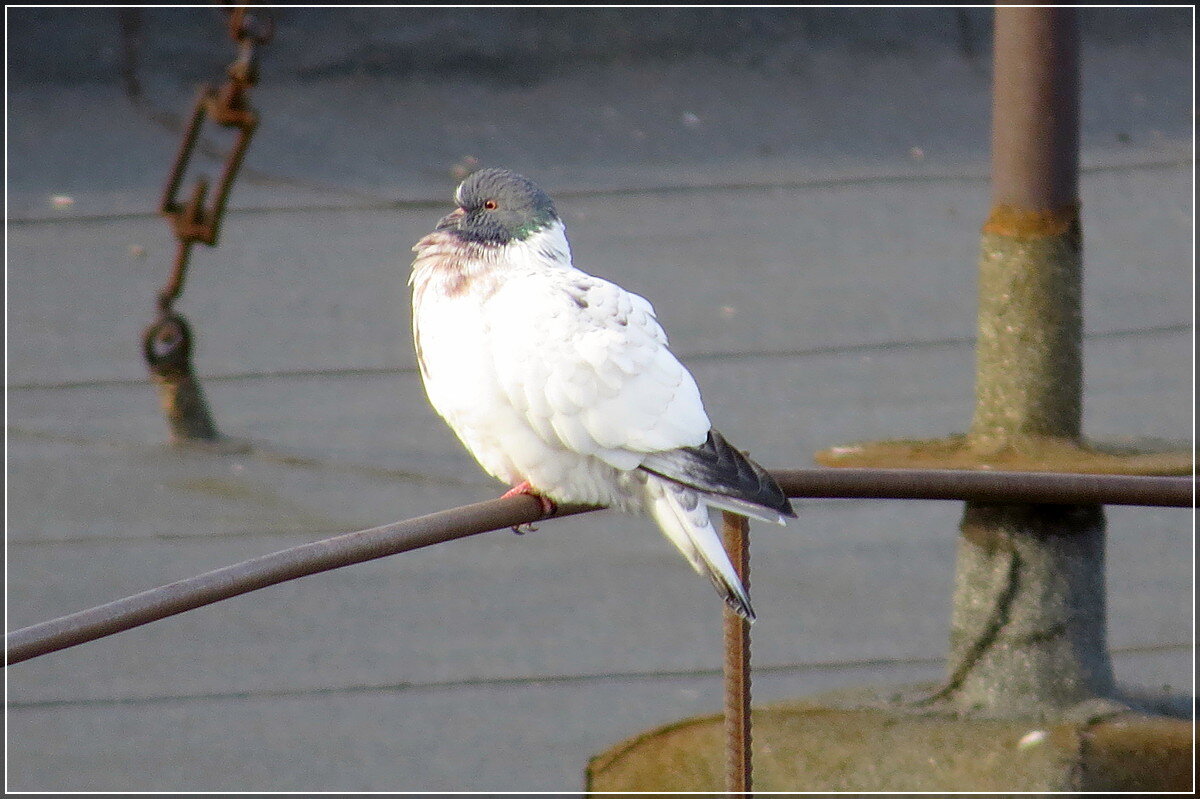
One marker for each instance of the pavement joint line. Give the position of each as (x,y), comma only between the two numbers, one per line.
(825,503)
(473,682)
(175,124)
(893,346)
(531,681)
(816,183)
(206,535)
(258,450)
(818,351)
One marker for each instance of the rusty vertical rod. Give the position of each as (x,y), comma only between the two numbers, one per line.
(735,531)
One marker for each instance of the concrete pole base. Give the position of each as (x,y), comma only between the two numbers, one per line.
(1032,454)
(829,744)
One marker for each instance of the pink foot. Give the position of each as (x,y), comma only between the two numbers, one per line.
(548,506)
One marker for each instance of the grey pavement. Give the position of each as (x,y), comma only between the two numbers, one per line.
(799,198)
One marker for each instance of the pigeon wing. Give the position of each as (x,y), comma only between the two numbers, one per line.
(725,477)
(586,362)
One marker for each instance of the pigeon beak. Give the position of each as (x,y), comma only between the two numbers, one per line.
(450,220)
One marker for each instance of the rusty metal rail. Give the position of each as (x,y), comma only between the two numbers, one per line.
(1049,488)
(499,514)
(228,106)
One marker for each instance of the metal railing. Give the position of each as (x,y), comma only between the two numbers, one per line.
(499,514)
(511,512)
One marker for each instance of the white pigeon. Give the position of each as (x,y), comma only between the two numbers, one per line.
(561,384)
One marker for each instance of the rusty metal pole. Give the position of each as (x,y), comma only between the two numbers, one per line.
(1029,367)
(735,530)
(1028,630)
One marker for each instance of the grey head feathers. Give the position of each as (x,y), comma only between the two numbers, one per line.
(496,206)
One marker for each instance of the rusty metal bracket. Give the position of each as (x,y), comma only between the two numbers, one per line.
(166,343)
(227,106)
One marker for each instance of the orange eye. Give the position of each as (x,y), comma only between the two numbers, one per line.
(490,205)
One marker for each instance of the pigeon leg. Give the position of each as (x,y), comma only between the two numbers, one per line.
(548,506)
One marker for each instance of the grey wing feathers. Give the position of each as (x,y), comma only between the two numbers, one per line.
(727,478)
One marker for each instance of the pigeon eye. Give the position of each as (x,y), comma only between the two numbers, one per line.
(491,205)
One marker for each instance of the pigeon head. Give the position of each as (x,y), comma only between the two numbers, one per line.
(496,206)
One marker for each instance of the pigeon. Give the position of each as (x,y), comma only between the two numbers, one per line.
(561,384)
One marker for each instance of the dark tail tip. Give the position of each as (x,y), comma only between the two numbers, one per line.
(740,607)
(766,491)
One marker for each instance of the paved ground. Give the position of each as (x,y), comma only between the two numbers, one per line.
(804,214)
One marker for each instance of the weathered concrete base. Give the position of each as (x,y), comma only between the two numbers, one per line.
(1028,634)
(1034,454)
(825,746)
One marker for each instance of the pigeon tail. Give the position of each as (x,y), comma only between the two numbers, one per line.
(725,478)
(682,515)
